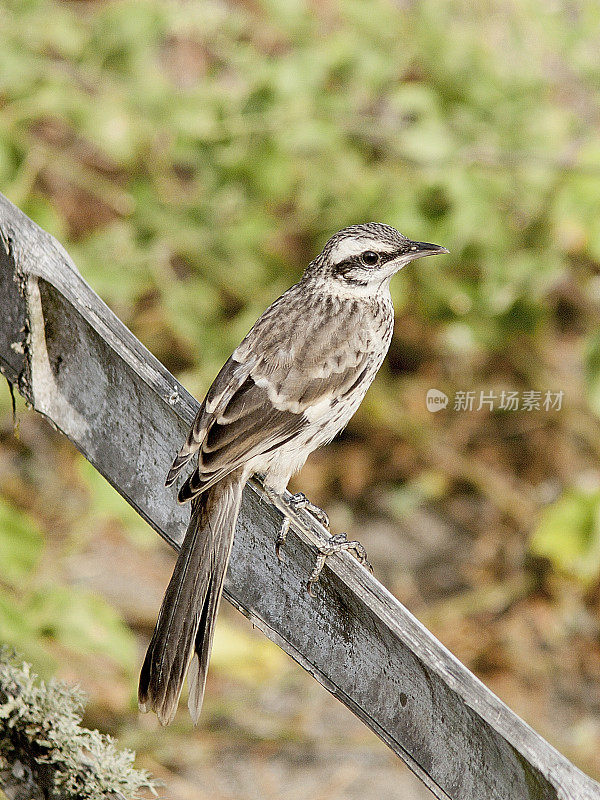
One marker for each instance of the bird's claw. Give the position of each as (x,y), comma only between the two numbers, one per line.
(281,537)
(296,502)
(336,544)
(300,501)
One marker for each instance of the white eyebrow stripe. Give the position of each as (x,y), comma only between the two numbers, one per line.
(355,246)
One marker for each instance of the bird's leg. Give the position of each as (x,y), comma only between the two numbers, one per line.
(296,502)
(300,500)
(281,537)
(335,545)
(274,498)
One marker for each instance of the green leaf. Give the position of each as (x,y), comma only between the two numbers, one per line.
(569,535)
(592,372)
(244,656)
(82,622)
(17,632)
(21,544)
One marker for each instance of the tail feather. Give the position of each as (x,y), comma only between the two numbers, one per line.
(204,635)
(202,647)
(185,625)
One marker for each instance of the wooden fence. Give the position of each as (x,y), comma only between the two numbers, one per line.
(79,366)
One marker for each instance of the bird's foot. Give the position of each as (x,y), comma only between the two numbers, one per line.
(335,545)
(300,500)
(281,537)
(296,502)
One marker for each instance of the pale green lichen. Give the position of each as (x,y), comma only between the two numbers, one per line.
(42,742)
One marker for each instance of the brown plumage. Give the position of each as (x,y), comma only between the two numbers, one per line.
(185,625)
(289,387)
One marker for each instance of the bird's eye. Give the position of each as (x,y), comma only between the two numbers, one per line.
(369,258)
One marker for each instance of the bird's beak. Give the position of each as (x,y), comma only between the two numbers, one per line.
(412,251)
(420,249)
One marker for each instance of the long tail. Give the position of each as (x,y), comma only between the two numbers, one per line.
(185,626)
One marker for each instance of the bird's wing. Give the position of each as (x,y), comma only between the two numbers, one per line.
(277,382)
(230,378)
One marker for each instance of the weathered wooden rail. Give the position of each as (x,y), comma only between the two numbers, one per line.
(82,368)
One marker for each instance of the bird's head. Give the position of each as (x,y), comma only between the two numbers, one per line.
(364,257)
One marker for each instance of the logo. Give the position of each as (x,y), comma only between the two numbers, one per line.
(436,400)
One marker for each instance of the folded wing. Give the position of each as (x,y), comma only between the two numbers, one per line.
(276,383)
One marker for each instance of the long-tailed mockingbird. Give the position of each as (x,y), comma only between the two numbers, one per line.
(291,386)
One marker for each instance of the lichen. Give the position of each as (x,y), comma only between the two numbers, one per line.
(41,733)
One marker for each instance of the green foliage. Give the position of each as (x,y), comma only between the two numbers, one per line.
(38,616)
(81,622)
(40,726)
(243,657)
(592,372)
(22,545)
(192,158)
(569,535)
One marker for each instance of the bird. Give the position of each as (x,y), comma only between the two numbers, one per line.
(291,385)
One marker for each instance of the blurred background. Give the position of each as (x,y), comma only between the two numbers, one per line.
(192,157)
